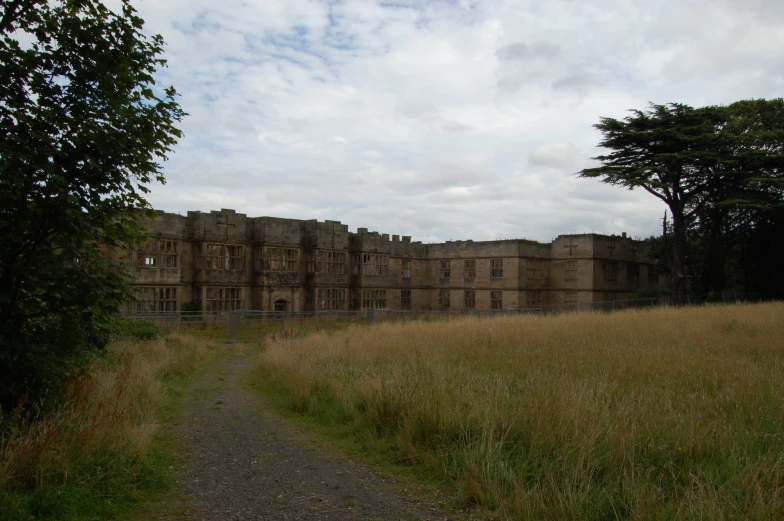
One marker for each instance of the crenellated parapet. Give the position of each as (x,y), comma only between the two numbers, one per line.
(222,260)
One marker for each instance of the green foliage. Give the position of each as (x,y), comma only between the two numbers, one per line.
(98,454)
(719,169)
(134,329)
(103,489)
(82,131)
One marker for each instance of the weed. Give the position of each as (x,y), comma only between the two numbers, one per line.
(642,414)
(123,328)
(101,450)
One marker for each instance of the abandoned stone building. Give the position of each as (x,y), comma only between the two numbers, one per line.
(222,260)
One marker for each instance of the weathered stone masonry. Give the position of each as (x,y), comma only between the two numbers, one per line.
(220,261)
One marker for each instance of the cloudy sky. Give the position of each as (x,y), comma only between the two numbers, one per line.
(443,119)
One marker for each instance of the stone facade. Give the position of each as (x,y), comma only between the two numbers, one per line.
(224,260)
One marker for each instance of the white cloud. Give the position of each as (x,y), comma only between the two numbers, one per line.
(557,155)
(441,120)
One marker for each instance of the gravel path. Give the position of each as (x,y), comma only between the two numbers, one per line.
(248,463)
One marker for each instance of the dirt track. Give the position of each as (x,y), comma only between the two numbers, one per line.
(245,462)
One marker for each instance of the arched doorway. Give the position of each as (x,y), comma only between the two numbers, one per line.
(281,306)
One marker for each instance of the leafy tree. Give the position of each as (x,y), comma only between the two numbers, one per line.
(749,192)
(83,130)
(709,165)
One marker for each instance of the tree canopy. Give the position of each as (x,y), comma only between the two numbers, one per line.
(83,131)
(718,168)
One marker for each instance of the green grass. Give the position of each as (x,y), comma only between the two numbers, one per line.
(254,330)
(103,452)
(644,414)
(106,452)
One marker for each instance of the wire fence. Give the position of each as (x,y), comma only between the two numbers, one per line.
(250,325)
(254,325)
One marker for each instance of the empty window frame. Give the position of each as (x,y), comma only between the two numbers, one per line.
(331,299)
(323,299)
(469,268)
(158,254)
(155,300)
(213,257)
(405,299)
(570,298)
(444,298)
(496,268)
(338,299)
(610,270)
(325,261)
(374,299)
(374,264)
(633,273)
(496,300)
(570,270)
(279,260)
(469,299)
(221,257)
(533,299)
(534,269)
(445,271)
(222,299)
(235,256)
(405,268)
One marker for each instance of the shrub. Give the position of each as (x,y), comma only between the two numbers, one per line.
(134,329)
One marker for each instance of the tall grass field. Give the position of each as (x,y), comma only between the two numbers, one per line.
(643,414)
(97,454)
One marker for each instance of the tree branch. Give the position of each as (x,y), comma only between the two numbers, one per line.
(10,15)
(655,193)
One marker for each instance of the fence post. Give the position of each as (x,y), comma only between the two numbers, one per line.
(232,334)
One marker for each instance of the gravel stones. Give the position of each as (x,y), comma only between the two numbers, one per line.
(247,463)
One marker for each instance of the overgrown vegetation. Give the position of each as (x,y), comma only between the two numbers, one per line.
(83,130)
(642,414)
(101,450)
(124,328)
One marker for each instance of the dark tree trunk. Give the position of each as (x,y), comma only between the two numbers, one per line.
(678,277)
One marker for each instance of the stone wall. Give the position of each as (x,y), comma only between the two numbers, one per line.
(224,260)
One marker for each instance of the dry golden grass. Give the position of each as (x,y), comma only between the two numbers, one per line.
(100,436)
(649,414)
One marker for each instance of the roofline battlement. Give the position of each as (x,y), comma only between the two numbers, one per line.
(231,214)
(222,260)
